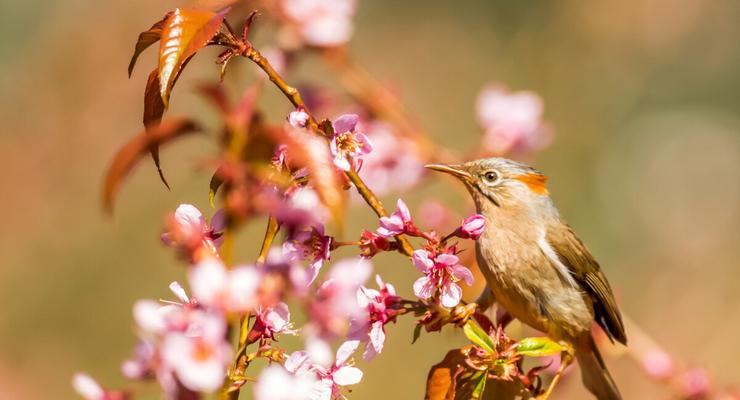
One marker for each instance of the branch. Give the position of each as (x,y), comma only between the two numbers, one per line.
(233,384)
(295,98)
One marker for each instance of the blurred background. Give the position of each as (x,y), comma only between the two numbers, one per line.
(644,97)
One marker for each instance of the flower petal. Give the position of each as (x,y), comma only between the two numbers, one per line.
(462,272)
(347,376)
(423,288)
(345,351)
(451,295)
(345,123)
(422,261)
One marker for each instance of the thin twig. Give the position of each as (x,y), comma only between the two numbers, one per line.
(231,388)
(295,98)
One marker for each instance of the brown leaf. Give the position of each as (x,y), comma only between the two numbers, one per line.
(146,39)
(453,379)
(153,111)
(184,33)
(128,156)
(442,376)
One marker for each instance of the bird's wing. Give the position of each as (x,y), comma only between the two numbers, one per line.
(587,272)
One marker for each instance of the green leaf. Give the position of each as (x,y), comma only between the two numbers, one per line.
(417,333)
(216,182)
(538,347)
(477,335)
(480,386)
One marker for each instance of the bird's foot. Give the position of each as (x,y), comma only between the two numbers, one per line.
(462,313)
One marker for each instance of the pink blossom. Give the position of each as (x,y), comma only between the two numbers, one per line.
(382,307)
(442,272)
(372,243)
(199,356)
(188,229)
(347,145)
(280,263)
(89,389)
(321,22)
(512,121)
(86,387)
(335,303)
(658,364)
(472,227)
(232,290)
(272,321)
(143,365)
(300,209)
(277,383)
(311,245)
(341,373)
(694,384)
(298,118)
(394,163)
(397,223)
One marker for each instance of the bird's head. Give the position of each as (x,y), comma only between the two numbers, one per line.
(498,181)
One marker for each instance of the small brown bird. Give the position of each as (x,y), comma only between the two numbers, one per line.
(536,267)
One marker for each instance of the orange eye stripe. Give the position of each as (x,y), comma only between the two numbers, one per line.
(535,182)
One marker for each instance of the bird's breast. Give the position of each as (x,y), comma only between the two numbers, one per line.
(528,285)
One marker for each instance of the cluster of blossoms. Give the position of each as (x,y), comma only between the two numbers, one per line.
(184,343)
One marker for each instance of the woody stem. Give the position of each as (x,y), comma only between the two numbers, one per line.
(295,98)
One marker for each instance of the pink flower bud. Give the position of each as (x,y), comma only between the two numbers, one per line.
(472,227)
(298,118)
(694,383)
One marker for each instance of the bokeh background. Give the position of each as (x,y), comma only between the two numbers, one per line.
(644,96)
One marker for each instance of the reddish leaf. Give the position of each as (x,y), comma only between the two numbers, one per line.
(128,156)
(454,379)
(146,39)
(441,379)
(184,33)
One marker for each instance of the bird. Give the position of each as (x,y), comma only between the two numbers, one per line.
(537,268)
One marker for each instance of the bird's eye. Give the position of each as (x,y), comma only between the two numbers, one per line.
(490,176)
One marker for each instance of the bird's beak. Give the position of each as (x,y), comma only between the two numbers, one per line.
(454,170)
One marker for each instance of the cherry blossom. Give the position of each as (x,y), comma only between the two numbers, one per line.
(301,208)
(298,118)
(442,272)
(382,307)
(694,384)
(189,229)
(335,303)
(312,245)
(227,290)
(89,389)
(341,373)
(272,321)
(277,383)
(199,356)
(281,266)
(398,223)
(394,163)
(321,22)
(347,145)
(372,243)
(512,120)
(472,227)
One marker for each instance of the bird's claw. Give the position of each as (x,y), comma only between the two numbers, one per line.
(462,313)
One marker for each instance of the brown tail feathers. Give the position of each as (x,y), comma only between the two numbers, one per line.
(595,376)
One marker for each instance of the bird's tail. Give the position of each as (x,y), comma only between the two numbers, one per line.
(595,376)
